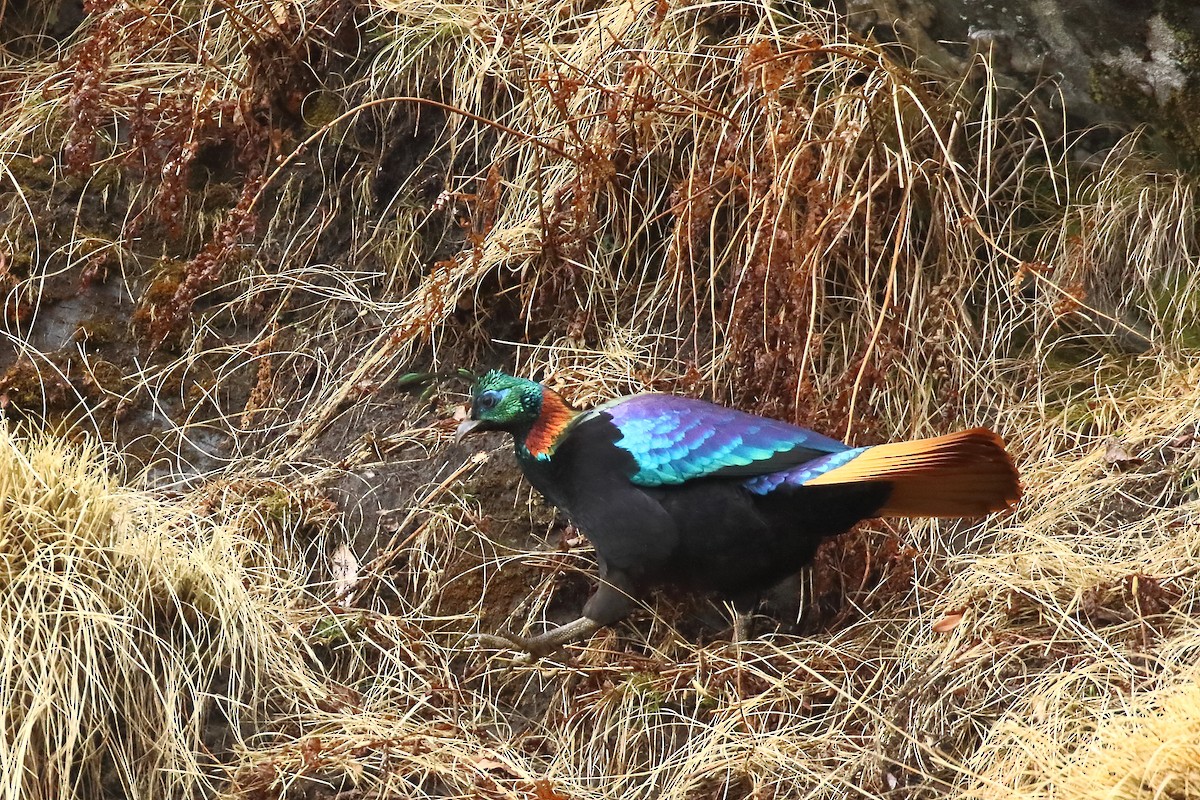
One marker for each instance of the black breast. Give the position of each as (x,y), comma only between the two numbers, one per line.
(588,478)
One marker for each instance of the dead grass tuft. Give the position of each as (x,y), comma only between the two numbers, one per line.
(1147,750)
(138,640)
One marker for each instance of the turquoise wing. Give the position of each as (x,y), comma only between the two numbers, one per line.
(677,439)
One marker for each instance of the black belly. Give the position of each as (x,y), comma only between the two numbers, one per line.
(735,542)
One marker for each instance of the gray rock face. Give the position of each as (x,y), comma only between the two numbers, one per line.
(1119,63)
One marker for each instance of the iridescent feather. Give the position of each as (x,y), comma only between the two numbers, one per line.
(677,439)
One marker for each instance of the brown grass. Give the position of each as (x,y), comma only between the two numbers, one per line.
(137,638)
(312,203)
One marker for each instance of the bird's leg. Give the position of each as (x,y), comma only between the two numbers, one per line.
(546,643)
(609,604)
(743,612)
(784,599)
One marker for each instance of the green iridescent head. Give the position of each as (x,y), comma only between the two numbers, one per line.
(502,402)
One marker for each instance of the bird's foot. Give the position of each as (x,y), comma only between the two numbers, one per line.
(544,644)
(527,646)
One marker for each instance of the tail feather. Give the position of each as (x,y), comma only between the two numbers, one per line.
(965,474)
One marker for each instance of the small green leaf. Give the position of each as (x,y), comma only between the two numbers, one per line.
(414,380)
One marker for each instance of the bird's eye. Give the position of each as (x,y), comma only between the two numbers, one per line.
(488,400)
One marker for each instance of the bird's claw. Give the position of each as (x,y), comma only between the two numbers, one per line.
(529,646)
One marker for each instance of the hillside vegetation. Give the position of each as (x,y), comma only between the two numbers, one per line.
(248,247)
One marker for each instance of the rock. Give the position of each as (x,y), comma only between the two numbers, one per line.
(1109,63)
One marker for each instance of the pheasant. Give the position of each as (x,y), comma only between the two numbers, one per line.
(673,490)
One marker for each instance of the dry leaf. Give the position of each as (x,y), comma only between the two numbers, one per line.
(571,537)
(461,413)
(1116,455)
(282,12)
(488,762)
(343,565)
(1187,438)
(948,622)
(544,790)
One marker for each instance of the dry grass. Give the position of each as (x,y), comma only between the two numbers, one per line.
(138,639)
(308,201)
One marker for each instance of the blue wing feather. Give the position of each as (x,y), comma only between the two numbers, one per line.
(801,473)
(678,439)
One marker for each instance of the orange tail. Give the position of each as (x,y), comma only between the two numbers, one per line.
(965,474)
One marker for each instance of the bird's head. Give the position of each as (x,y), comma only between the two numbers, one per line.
(501,402)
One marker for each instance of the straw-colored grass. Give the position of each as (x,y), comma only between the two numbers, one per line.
(139,641)
(312,207)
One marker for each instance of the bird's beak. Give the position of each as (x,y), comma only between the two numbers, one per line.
(464,428)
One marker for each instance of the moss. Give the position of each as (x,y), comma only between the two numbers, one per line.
(107,377)
(337,629)
(20,265)
(1112,87)
(1181,17)
(641,688)
(219,197)
(196,392)
(32,173)
(58,388)
(322,107)
(165,278)
(1072,383)
(99,330)
(31,388)
(107,177)
(1180,313)
(279,505)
